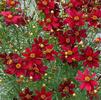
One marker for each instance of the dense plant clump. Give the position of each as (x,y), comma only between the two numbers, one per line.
(49,49)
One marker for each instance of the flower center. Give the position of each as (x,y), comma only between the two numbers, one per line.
(43,97)
(9,62)
(18,66)
(36,69)
(52,11)
(73,59)
(48,20)
(69,52)
(28,96)
(41,45)
(12,3)
(67,40)
(47,51)
(77,33)
(65,89)
(9,16)
(44,2)
(94,17)
(76,18)
(32,55)
(89,58)
(87,78)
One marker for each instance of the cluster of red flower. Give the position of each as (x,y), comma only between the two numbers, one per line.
(30,65)
(78,13)
(13,16)
(26,94)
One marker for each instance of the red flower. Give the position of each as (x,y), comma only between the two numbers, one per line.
(49,52)
(71,36)
(41,43)
(66,88)
(66,39)
(87,80)
(15,65)
(90,57)
(35,72)
(50,23)
(26,94)
(9,18)
(43,95)
(77,3)
(75,18)
(97,40)
(46,6)
(19,20)
(46,48)
(69,54)
(77,35)
(33,54)
(12,3)
(94,17)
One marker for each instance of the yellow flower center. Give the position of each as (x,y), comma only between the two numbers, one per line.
(76,18)
(87,78)
(41,45)
(18,66)
(73,59)
(69,52)
(36,69)
(52,11)
(48,20)
(77,33)
(12,3)
(44,2)
(9,16)
(43,97)
(28,96)
(65,89)
(47,51)
(94,17)
(89,58)
(9,61)
(32,55)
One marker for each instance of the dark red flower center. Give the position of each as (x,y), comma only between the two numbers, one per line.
(67,40)
(43,97)
(89,58)
(9,16)
(87,78)
(18,66)
(94,17)
(76,18)
(9,61)
(32,55)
